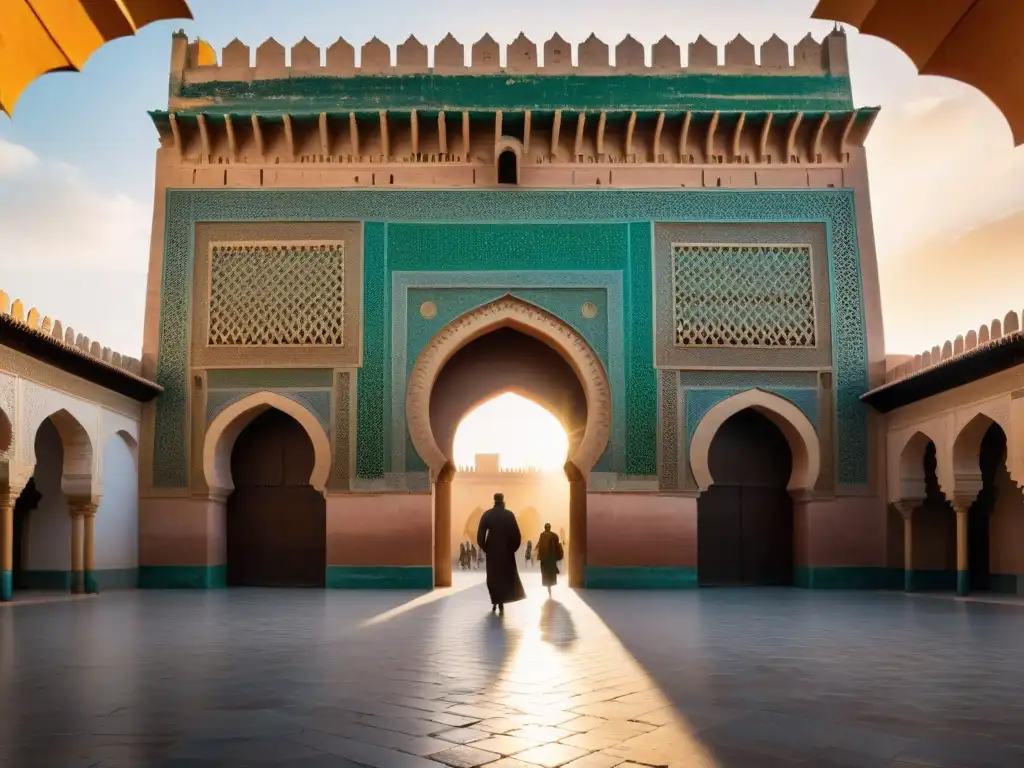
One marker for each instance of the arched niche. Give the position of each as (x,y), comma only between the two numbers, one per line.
(229,423)
(791,421)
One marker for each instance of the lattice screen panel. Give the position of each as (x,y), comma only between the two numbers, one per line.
(277,294)
(743,295)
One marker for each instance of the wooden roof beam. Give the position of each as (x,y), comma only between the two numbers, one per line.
(737,136)
(684,138)
(601,122)
(176,133)
(289,136)
(353,135)
(325,135)
(709,139)
(414,131)
(527,129)
(385,139)
(630,128)
(581,124)
(465,135)
(843,150)
(819,135)
(791,138)
(766,132)
(257,135)
(229,129)
(442,133)
(204,137)
(556,130)
(658,128)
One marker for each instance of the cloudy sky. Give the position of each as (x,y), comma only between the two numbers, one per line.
(76,162)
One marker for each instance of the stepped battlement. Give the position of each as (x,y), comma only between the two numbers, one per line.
(196,61)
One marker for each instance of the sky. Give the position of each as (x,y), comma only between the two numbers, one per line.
(77,159)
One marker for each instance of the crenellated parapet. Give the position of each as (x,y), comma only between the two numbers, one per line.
(270,60)
(65,336)
(974,341)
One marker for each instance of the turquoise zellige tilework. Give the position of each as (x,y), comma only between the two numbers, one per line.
(550,210)
(700,401)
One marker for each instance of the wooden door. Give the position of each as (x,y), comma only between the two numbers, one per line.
(745,520)
(276,522)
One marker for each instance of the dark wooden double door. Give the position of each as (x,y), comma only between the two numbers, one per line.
(276,522)
(745,520)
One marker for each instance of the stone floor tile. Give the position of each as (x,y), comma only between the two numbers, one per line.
(540,733)
(551,755)
(465,756)
(505,745)
(582,724)
(593,740)
(595,760)
(463,735)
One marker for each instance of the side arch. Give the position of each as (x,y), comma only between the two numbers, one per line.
(79,454)
(967,476)
(510,312)
(794,425)
(229,423)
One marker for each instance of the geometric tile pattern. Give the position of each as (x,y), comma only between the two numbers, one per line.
(743,296)
(277,294)
(630,211)
(587,680)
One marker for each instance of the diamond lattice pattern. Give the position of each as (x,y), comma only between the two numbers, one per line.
(744,296)
(277,294)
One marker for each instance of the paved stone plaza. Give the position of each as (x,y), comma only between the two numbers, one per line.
(318,679)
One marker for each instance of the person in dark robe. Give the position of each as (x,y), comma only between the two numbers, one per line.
(499,538)
(528,557)
(549,553)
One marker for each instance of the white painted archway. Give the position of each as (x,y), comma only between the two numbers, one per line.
(229,423)
(791,421)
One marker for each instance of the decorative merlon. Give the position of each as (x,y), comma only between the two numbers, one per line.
(196,61)
(973,341)
(65,336)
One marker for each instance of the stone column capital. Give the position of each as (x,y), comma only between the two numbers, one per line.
(961,506)
(82,507)
(906,507)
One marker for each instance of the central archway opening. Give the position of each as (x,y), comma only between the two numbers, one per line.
(745,519)
(276,521)
(509,444)
(506,410)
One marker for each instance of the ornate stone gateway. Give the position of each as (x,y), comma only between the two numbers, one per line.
(644,250)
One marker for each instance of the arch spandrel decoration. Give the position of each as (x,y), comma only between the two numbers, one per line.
(229,423)
(791,421)
(510,312)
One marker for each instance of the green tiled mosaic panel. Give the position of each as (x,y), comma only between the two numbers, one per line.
(317,402)
(543,209)
(269,378)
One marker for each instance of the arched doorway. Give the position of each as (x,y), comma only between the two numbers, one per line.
(745,519)
(510,345)
(750,454)
(275,520)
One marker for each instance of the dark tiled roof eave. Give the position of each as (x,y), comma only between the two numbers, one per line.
(35,343)
(974,364)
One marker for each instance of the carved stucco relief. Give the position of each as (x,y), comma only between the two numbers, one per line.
(509,311)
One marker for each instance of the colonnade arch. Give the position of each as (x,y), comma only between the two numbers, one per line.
(427,415)
(950,476)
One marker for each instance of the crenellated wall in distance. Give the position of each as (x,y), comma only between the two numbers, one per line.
(902,367)
(557,56)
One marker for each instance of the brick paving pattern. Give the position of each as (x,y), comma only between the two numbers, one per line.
(752,678)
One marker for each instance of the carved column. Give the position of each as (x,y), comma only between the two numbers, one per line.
(906,509)
(963,574)
(8,496)
(443,527)
(83,549)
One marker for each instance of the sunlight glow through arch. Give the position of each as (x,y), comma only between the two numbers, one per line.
(525,434)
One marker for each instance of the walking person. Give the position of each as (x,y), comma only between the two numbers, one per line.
(549,553)
(528,557)
(499,538)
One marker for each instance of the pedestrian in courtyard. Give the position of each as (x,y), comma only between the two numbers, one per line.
(549,553)
(528,557)
(462,555)
(499,538)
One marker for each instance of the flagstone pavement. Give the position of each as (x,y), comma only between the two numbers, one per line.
(749,677)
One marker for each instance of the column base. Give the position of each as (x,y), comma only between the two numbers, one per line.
(908,580)
(92,586)
(77,583)
(6,586)
(963,583)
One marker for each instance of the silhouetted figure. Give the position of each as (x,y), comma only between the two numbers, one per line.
(549,553)
(528,557)
(499,537)
(462,555)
